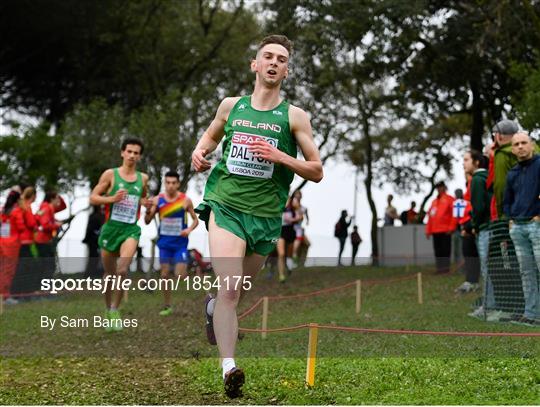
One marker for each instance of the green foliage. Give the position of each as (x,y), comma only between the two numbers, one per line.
(55,56)
(154,70)
(380,78)
(460,59)
(528,101)
(431,147)
(33,156)
(92,137)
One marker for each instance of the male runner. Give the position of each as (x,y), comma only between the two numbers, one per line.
(247,190)
(122,190)
(173,207)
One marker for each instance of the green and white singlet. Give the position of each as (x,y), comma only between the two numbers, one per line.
(121,217)
(247,183)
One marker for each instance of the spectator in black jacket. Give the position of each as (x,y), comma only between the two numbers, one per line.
(340,231)
(522,206)
(355,242)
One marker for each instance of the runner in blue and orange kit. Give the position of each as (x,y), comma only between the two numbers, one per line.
(173,207)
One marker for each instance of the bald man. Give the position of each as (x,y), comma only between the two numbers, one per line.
(522,207)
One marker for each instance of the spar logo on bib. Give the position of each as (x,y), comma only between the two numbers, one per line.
(242,162)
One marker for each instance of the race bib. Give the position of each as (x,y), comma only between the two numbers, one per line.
(126,210)
(5,230)
(241,161)
(171,226)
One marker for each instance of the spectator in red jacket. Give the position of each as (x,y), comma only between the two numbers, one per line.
(47,225)
(441,224)
(48,228)
(9,245)
(25,223)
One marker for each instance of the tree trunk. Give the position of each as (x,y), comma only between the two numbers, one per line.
(368,184)
(477,118)
(422,211)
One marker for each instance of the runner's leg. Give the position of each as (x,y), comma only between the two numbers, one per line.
(252,265)
(281,250)
(109,265)
(180,271)
(165,270)
(227,252)
(127,251)
(296,246)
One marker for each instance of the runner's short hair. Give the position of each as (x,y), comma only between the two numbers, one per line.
(173,174)
(277,39)
(132,140)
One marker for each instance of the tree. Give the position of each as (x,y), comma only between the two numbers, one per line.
(528,100)
(31,155)
(56,55)
(92,135)
(150,69)
(460,53)
(431,147)
(345,62)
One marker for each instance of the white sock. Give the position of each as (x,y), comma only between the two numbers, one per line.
(227,364)
(210,307)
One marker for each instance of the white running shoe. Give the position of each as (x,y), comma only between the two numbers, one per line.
(477,313)
(466,287)
(494,316)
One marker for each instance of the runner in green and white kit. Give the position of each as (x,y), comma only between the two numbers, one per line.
(122,190)
(247,190)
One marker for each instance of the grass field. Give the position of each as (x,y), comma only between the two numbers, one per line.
(166,360)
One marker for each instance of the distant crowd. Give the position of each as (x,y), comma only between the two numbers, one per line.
(27,240)
(496,223)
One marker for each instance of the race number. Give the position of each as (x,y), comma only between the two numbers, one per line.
(241,161)
(171,226)
(126,210)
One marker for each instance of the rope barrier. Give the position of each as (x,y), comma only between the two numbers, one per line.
(284,329)
(395,331)
(438,333)
(252,309)
(312,293)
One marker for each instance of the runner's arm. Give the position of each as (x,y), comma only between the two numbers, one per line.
(298,218)
(311,167)
(146,202)
(103,185)
(212,136)
(195,223)
(145,178)
(150,213)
